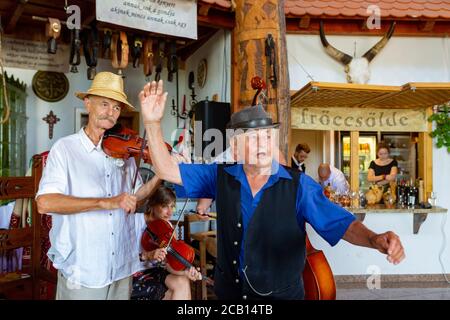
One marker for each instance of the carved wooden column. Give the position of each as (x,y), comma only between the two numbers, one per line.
(255,20)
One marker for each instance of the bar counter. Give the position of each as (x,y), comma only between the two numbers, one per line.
(419,214)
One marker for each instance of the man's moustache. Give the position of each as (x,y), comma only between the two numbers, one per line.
(107,118)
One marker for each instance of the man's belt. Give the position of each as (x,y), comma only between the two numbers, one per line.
(53,31)
(159,59)
(75,43)
(119,51)
(90,49)
(148,57)
(172,61)
(136,51)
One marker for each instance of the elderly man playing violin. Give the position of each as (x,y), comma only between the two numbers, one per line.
(89,195)
(261,206)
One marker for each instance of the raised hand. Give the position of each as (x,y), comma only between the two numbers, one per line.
(153,100)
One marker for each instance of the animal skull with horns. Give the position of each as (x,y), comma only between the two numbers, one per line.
(357,69)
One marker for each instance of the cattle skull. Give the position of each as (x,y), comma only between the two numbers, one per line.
(357,69)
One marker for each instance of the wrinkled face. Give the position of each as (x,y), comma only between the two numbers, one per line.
(301,156)
(256,147)
(358,71)
(164,212)
(103,112)
(383,154)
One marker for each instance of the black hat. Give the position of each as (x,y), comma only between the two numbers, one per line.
(254,117)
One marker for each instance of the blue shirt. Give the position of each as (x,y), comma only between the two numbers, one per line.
(329,220)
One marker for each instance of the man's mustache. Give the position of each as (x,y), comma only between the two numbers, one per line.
(110,119)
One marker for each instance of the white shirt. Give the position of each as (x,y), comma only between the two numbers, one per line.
(337,181)
(298,164)
(93,248)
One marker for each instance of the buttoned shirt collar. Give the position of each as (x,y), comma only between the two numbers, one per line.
(87,143)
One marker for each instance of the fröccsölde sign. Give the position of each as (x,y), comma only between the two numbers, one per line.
(359,119)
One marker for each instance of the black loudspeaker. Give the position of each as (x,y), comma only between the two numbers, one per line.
(210,115)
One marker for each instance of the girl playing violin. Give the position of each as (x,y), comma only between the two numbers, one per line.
(160,281)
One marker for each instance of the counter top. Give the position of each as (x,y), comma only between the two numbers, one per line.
(419,214)
(380,208)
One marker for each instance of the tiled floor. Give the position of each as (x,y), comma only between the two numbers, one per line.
(394,294)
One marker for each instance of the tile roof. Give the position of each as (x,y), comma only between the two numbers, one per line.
(388,8)
(221,3)
(433,9)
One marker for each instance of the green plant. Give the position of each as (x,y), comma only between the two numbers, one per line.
(442,130)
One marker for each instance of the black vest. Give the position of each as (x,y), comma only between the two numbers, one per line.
(274,244)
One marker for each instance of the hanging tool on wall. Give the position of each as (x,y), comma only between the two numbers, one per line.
(90,49)
(148,57)
(270,52)
(53,31)
(159,59)
(75,46)
(172,61)
(136,50)
(107,37)
(119,51)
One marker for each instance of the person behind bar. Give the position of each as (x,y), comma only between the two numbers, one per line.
(300,155)
(384,169)
(332,176)
(261,207)
(88,194)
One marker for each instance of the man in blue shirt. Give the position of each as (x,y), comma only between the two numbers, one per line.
(262,207)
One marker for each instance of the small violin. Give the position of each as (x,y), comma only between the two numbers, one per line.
(121,142)
(180,255)
(257,84)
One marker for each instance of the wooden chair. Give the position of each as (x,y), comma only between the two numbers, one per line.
(206,240)
(13,188)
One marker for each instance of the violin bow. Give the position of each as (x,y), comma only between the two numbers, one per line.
(133,184)
(178,221)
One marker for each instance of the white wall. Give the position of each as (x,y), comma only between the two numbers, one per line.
(402,60)
(216,51)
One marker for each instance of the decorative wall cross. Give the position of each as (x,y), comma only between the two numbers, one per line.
(51,119)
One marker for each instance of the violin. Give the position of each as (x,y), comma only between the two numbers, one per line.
(317,276)
(180,255)
(257,84)
(123,143)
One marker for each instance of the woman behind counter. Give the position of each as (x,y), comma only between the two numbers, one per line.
(383,169)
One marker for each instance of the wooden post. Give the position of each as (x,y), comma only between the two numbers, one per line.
(255,20)
(425,149)
(354,161)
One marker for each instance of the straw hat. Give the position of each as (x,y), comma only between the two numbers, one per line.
(108,85)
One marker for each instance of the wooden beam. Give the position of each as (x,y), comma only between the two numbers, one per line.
(354,161)
(426,26)
(215,20)
(204,9)
(304,22)
(17,13)
(404,28)
(255,20)
(425,149)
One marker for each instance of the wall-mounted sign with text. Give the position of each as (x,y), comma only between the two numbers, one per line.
(172,17)
(25,54)
(359,119)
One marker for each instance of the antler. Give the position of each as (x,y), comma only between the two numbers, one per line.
(369,55)
(332,51)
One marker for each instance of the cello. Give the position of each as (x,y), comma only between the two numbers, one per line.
(318,278)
